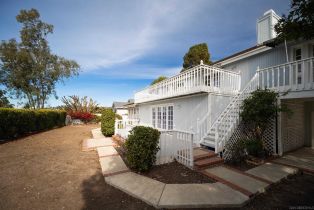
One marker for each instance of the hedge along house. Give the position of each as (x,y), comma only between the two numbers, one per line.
(201,105)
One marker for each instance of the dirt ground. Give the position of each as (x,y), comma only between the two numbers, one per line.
(176,173)
(49,171)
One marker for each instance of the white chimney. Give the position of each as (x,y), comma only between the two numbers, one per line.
(266,26)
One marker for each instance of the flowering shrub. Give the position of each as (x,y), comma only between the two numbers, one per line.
(84,116)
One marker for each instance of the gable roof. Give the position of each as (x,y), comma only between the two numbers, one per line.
(117,105)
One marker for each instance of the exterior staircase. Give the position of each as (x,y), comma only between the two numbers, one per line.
(204,158)
(222,128)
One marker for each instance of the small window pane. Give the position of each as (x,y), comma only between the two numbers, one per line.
(170,117)
(154,117)
(164,117)
(159,117)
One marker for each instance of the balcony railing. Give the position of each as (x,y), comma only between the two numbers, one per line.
(201,78)
(293,76)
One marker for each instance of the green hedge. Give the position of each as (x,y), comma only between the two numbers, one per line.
(142,147)
(107,122)
(16,122)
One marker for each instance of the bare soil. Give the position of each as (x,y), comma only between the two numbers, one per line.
(176,173)
(171,173)
(48,170)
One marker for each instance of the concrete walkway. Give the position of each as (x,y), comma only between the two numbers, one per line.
(233,189)
(153,192)
(302,158)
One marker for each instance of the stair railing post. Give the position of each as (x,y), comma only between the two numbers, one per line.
(216,138)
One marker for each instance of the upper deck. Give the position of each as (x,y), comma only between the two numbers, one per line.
(201,78)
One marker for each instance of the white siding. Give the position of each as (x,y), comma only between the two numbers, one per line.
(248,66)
(187,110)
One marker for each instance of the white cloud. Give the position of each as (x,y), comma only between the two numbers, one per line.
(112,35)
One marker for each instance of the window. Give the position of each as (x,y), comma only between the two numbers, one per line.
(164,117)
(170,117)
(159,117)
(297,54)
(297,57)
(154,117)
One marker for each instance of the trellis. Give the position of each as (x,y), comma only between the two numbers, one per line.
(269,138)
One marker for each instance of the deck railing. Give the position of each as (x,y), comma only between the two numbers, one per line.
(123,127)
(176,145)
(294,76)
(201,78)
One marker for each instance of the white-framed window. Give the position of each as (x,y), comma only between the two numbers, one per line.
(297,55)
(162,117)
(158,117)
(154,117)
(170,117)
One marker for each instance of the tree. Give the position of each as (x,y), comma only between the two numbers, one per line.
(28,68)
(299,24)
(159,79)
(76,104)
(4,102)
(194,56)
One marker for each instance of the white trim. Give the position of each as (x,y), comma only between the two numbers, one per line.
(244,55)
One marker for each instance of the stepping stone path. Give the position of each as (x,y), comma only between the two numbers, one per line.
(233,189)
(112,165)
(200,196)
(141,187)
(272,172)
(249,184)
(302,159)
(106,151)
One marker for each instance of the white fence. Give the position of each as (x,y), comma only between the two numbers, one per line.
(123,127)
(175,145)
(294,76)
(199,78)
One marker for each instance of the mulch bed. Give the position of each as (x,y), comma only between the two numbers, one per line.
(176,173)
(172,173)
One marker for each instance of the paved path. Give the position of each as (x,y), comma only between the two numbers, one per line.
(302,159)
(272,172)
(153,192)
(233,189)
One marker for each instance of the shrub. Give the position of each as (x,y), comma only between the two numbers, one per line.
(142,147)
(107,122)
(236,151)
(84,116)
(254,147)
(16,122)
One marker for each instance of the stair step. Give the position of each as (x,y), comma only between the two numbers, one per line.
(208,144)
(199,164)
(203,154)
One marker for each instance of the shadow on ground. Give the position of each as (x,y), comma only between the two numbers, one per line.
(99,195)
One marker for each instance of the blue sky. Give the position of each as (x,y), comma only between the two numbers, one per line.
(123,45)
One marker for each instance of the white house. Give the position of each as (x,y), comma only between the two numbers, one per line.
(204,101)
(120,109)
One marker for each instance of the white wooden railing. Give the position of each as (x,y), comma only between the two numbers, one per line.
(227,122)
(202,128)
(175,145)
(123,127)
(201,78)
(293,76)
